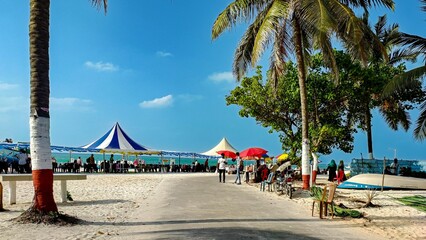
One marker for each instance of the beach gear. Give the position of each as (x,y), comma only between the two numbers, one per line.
(283,156)
(325,201)
(252,153)
(228,154)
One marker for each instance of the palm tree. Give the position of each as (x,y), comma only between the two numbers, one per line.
(415,45)
(391,106)
(42,173)
(297,26)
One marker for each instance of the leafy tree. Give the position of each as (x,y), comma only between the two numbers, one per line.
(373,79)
(414,45)
(297,26)
(43,203)
(279,109)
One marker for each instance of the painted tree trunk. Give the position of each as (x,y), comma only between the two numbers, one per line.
(39,107)
(314,167)
(303,104)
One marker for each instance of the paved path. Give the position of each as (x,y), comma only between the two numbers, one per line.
(200,207)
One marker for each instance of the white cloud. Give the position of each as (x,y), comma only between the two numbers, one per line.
(222,77)
(7,86)
(158,102)
(68,104)
(164,54)
(101,66)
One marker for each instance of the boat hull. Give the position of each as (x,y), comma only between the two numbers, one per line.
(374,181)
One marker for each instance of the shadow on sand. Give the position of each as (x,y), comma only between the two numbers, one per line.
(218,233)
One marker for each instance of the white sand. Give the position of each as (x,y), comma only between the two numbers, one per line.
(391,218)
(109,201)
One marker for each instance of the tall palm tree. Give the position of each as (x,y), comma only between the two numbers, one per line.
(297,26)
(415,45)
(39,107)
(391,107)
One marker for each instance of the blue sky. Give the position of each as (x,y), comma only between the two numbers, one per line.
(152,67)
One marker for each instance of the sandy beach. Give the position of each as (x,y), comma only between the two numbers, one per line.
(110,203)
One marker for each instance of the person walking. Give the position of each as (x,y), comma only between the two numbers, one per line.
(221,166)
(331,168)
(239,168)
(341,177)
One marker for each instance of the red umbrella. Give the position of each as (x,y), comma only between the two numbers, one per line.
(253,153)
(227,153)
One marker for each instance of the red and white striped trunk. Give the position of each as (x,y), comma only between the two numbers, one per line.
(42,164)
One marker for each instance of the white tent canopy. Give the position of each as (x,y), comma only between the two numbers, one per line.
(222,145)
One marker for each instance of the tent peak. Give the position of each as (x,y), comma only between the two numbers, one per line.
(222,145)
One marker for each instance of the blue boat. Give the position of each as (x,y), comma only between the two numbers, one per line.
(374,181)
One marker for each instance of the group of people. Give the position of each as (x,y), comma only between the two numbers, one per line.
(332,168)
(221,166)
(20,162)
(261,171)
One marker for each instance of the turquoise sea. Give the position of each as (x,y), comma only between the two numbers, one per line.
(153,159)
(62,157)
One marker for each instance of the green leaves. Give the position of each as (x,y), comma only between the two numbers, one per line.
(416,201)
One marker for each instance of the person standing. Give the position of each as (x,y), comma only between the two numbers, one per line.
(22,156)
(79,162)
(239,168)
(395,167)
(331,168)
(341,177)
(91,163)
(206,165)
(221,166)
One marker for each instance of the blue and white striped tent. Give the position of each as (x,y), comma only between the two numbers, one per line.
(116,140)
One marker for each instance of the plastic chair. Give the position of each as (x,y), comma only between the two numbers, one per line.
(325,201)
(268,181)
(320,202)
(329,202)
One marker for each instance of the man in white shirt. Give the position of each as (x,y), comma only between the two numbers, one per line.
(395,167)
(221,165)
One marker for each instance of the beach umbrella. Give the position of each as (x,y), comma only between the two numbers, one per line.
(283,156)
(227,153)
(253,153)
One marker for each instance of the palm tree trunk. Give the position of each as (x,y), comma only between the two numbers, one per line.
(369,133)
(39,110)
(303,103)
